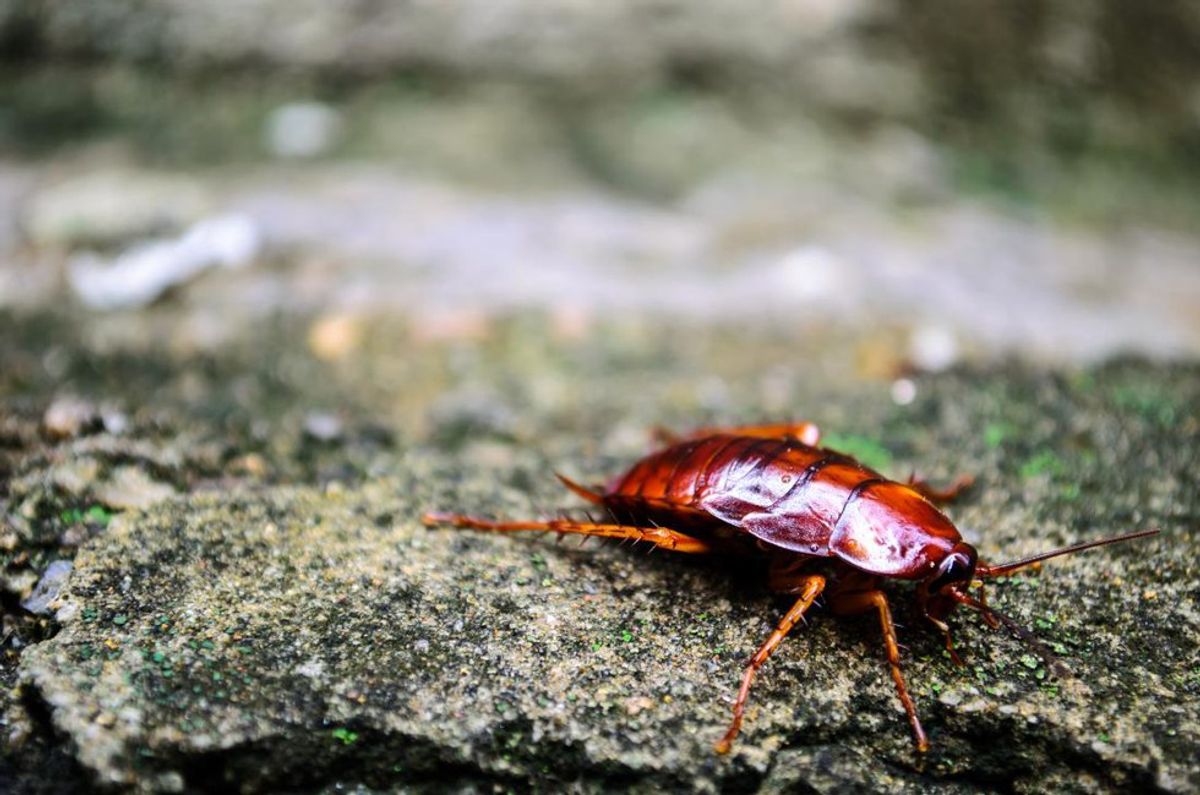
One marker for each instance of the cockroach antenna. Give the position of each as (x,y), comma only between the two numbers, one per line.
(1051,660)
(1007,568)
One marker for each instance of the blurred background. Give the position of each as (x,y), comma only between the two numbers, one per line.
(403,256)
(923,185)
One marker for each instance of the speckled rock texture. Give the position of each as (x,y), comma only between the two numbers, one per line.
(312,635)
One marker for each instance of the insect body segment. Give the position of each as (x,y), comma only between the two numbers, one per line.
(768,491)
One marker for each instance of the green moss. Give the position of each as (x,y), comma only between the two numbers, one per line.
(866,450)
(995,433)
(96,514)
(1147,401)
(344,736)
(1044,462)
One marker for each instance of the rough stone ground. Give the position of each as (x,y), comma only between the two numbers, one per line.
(284,621)
(491,244)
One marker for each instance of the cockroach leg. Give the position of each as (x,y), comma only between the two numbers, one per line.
(848,603)
(665,436)
(812,585)
(989,619)
(948,494)
(659,536)
(945,629)
(581,491)
(804,432)
(786,576)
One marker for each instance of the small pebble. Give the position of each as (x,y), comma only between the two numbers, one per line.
(130,487)
(904,391)
(302,129)
(933,348)
(115,422)
(335,336)
(69,416)
(323,427)
(49,586)
(73,536)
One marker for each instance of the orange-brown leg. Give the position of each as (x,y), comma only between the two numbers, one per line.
(805,432)
(813,584)
(948,494)
(847,603)
(593,497)
(945,629)
(659,536)
(991,620)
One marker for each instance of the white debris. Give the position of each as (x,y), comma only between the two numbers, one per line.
(323,426)
(933,348)
(46,592)
(904,391)
(147,270)
(810,273)
(302,129)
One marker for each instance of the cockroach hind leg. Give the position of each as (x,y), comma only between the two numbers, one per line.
(659,536)
(804,432)
(664,435)
(449,519)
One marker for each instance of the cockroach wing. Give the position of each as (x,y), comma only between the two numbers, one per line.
(890,530)
(803,518)
(805,533)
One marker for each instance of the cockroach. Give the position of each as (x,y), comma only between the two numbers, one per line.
(825,523)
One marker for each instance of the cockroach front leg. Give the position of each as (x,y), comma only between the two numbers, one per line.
(812,585)
(806,432)
(659,536)
(849,603)
(945,630)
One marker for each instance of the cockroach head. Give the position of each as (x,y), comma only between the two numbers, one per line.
(955,571)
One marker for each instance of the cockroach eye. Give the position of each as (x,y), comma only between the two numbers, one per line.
(957,567)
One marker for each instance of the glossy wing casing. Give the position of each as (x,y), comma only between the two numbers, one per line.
(790,496)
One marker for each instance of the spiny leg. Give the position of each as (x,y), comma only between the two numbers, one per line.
(948,494)
(846,603)
(659,536)
(813,584)
(805,432)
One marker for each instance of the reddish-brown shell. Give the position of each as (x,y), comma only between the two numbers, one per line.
(791,497)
